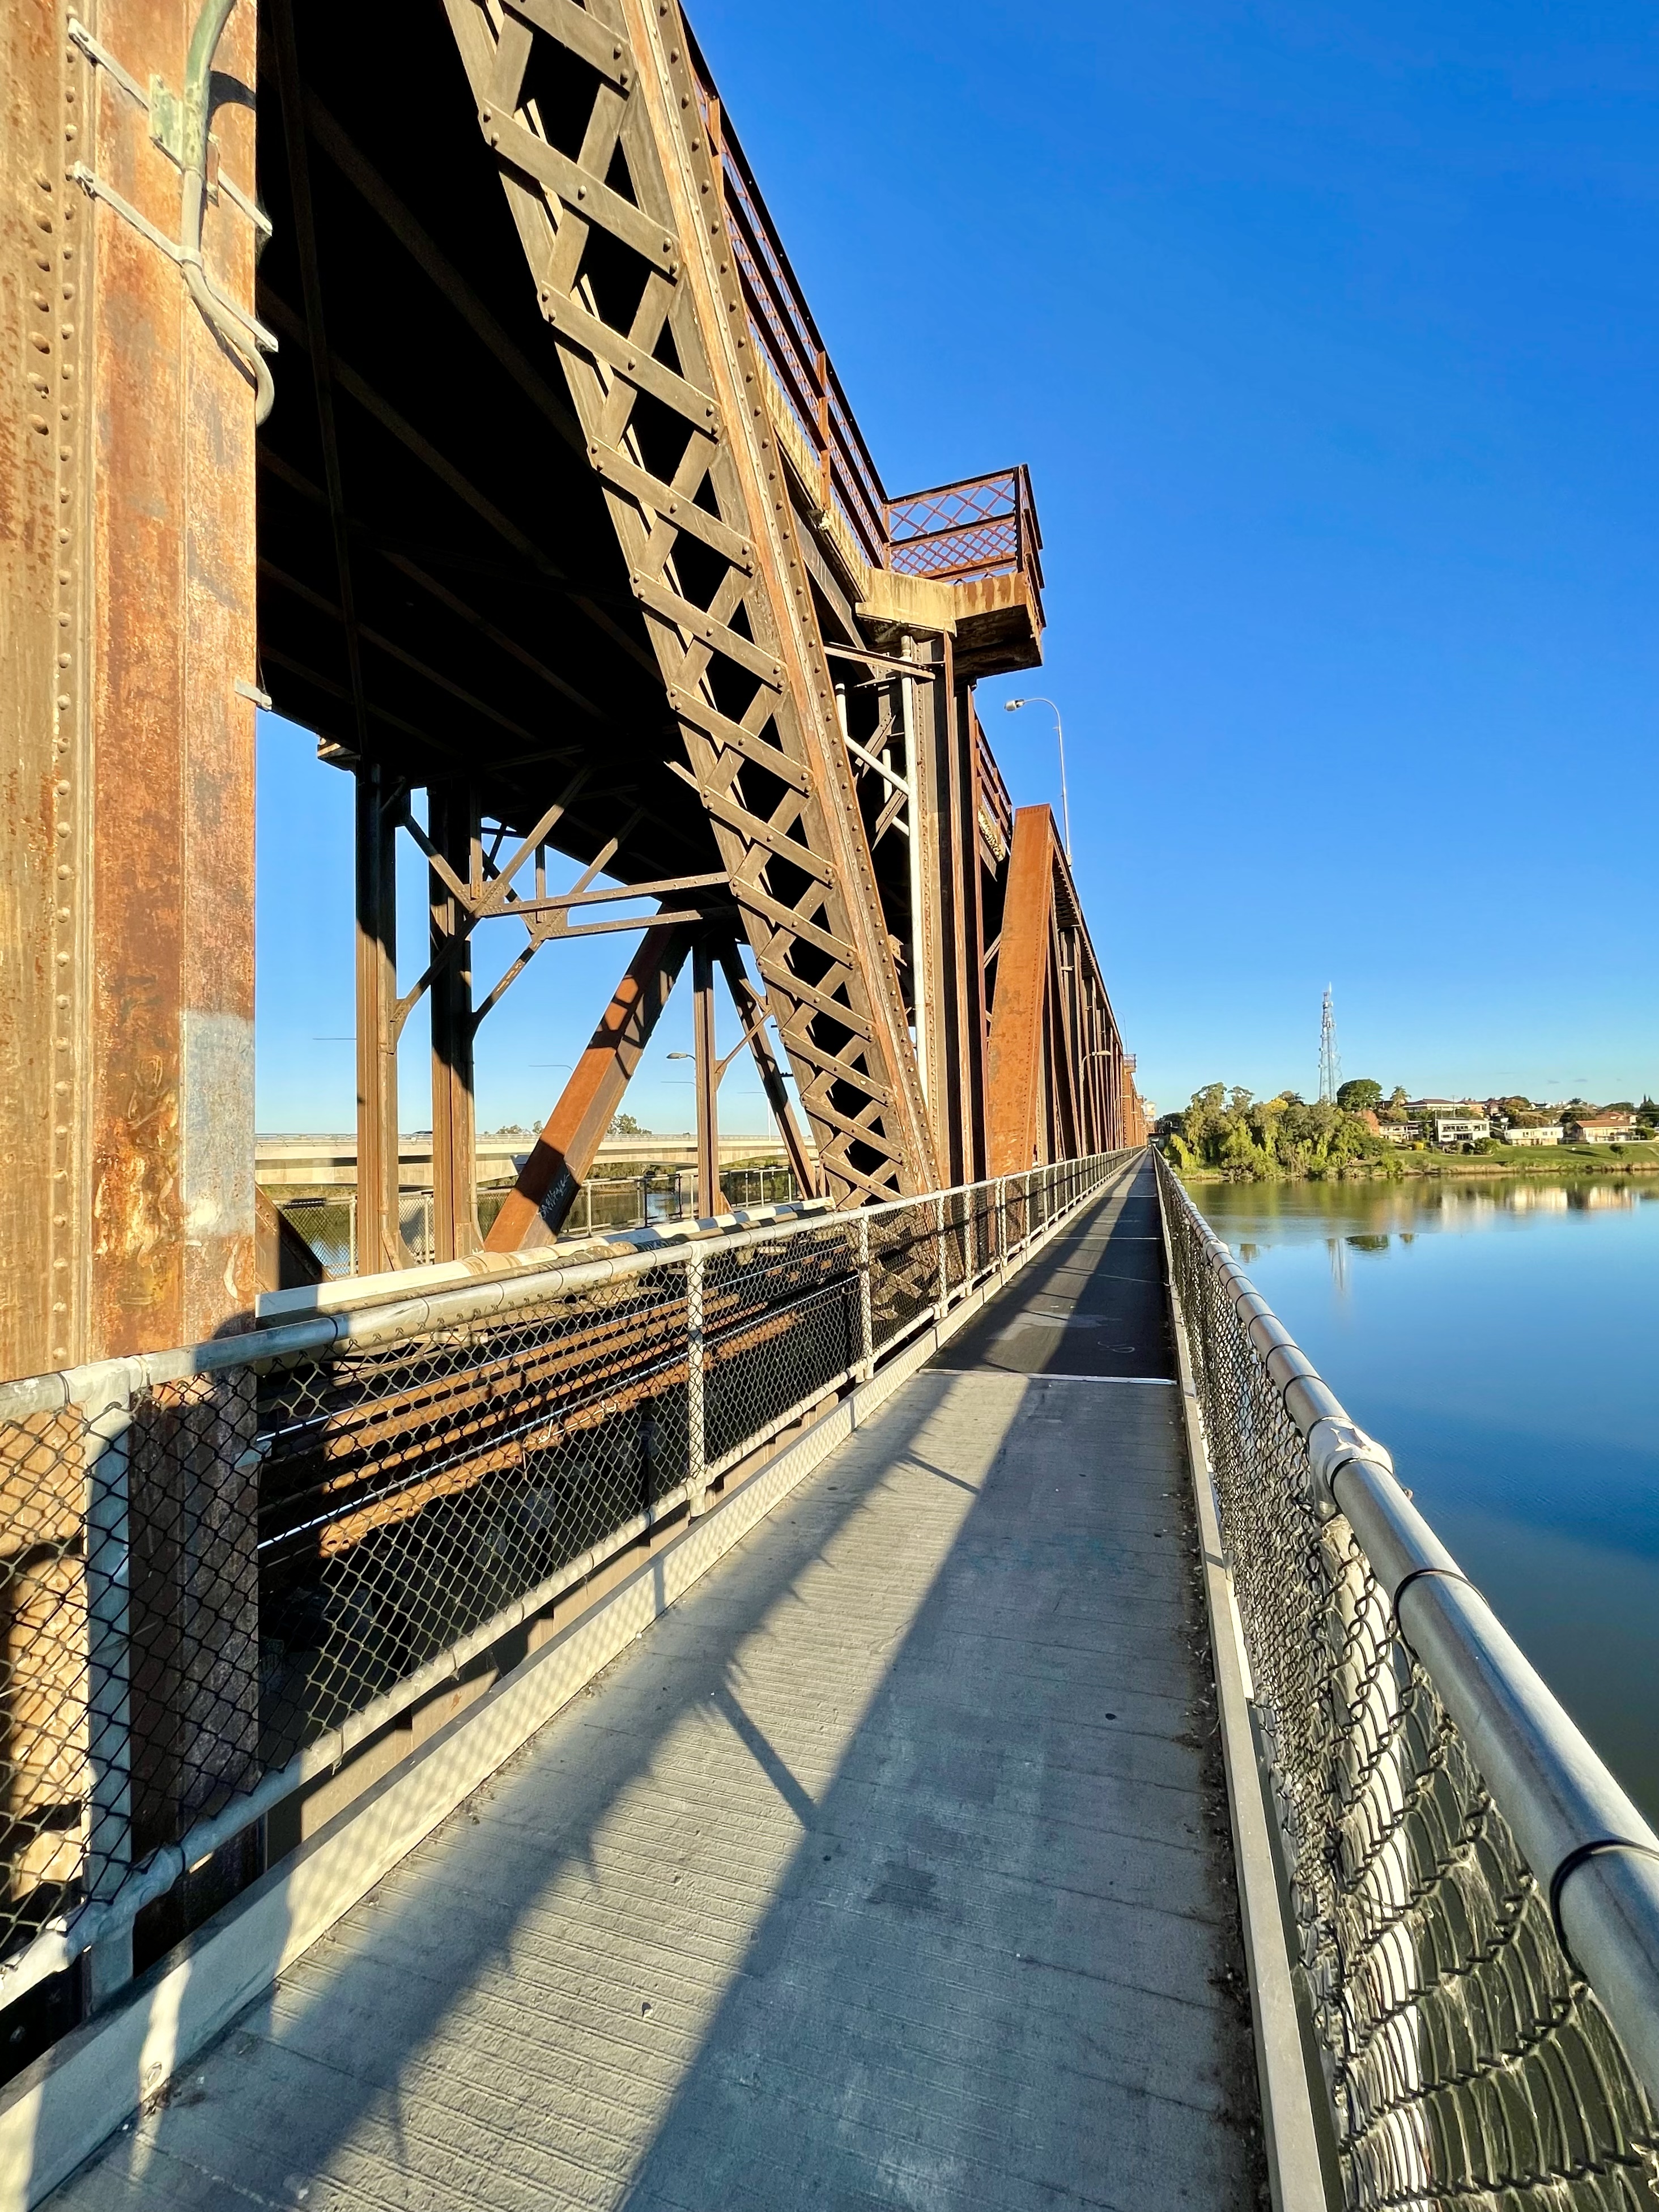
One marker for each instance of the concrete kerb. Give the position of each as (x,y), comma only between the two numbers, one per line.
(1301,2177)
(58,2111)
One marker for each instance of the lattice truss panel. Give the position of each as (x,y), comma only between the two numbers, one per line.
(881,752)
(598,163)
(964,526)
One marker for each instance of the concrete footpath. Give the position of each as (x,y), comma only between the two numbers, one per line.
(890,1868)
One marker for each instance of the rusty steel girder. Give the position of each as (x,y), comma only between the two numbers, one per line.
(706,530)
(1057,1083)
(126,623)
(596,564)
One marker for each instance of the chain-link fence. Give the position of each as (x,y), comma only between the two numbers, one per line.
(1461,1867)
(222,1569)
(329,1223)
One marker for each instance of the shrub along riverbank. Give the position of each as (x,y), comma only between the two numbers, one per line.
(1229,1135)
(1259,1139)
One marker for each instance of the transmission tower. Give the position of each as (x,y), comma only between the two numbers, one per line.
(1330,1065)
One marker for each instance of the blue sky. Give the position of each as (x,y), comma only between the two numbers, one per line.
(1329,335)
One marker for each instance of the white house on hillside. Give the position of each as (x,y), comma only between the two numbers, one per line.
(1453,1129)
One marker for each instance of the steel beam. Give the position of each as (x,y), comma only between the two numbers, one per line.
(1016,1132)
(746,649)
(752,1013)
(126,622)
(707,1056)
(452,825)
(379,1240)
(537,1205)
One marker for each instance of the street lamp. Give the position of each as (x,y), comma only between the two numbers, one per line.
(1012,707)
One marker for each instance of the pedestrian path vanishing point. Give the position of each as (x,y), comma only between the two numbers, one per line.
(890,1868)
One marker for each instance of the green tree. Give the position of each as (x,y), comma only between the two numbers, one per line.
(624,1125)
(1272,1137)
(1359,1095)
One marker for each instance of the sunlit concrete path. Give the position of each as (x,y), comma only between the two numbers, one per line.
(890,1868)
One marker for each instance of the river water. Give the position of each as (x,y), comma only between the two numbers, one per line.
(1501,1338)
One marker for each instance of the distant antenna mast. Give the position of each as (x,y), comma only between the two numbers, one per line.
(1330,1065)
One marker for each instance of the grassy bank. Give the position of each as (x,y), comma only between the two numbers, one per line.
(1549,1160)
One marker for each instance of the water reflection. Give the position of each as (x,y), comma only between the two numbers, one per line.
(1498,1335)
(1418,1203)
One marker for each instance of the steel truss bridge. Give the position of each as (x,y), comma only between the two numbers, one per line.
(478,423)
(921,1696)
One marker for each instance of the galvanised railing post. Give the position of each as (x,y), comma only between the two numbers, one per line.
(109,1686)
(944,1266)
(1002,1229)
(697,1486)
(867,1366)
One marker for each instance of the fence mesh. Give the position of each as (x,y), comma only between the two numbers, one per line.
(199,1580)
(1467,2061)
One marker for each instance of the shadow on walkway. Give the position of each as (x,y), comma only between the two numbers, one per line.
(888,1868)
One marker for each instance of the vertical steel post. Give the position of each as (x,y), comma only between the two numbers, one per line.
(452,828)
(379,1238)
(866,1366)
(944,1266)
(709,1077)
(921,972)
(697,1486)
(128,656)
(109,1687)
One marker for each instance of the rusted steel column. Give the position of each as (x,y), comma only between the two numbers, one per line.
(708,1078)
(927,717)
(956,863)
(537,1205)
(380,1243)
(452,826)
(1023,965)
(976,1038)
(127,600)
(751,1010)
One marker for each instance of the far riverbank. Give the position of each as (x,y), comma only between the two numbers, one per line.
(1552,1161)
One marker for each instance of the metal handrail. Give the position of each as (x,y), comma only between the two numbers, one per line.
(1593,1856)
(105,1390)
(94,1382)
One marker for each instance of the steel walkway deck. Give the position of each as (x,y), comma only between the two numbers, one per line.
(890,1868)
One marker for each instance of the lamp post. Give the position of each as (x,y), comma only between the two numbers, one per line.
(1012,707)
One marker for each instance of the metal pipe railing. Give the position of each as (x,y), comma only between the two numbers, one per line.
(776,1290)
(1595,1858)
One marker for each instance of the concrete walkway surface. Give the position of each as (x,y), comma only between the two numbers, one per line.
(890,1868)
